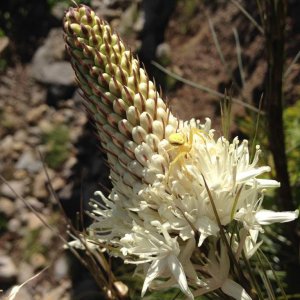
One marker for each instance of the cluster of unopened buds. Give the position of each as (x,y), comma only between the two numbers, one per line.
(177,189)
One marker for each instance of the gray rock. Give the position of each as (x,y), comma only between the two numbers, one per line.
(48,65)
(8,270)
(25,271)
(36,113)
(128,19)
(60,268)
(23,294)
(66,192)
(15,187)
(6,145)
(32,221)
(29,162)
(59,73)
(59,9)
(39,185)
(14,225)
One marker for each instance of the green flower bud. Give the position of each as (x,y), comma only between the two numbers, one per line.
(130,116)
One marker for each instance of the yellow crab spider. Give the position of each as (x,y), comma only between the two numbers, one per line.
(183,146)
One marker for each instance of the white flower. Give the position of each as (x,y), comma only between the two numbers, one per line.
(161,250)
(247,241)
(252,216)
(111,219)
(218,267)
(266,217)
(226,170)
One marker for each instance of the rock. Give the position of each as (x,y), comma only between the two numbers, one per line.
(23,294)
(60,73)
(48,65)
(8,270)
(39,185)
(50,68)
(60,268)
(14,225)
(128,19)
(35,114)
(66,192)
(67,172)
(4,41)
(7,207)
(34,130)
(35,203)
(15,187)
(33,141)
(20,174)
(18,146)
(58,183)
(29,162)
(58,10)
(45,126)
(38,260)
(33,222)
(21,135)
(25,272)
(75,134)
(71,162)
(163,52)
(105,12)
(46,237)
(6,144)
(58,292)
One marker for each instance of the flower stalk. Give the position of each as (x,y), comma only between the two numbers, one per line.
(177,188)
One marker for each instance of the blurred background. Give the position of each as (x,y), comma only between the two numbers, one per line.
(208,48)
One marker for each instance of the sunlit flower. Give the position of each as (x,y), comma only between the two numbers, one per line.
(157,247)
(217,268)
(176,186)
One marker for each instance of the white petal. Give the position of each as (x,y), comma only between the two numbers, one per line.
(179,275)
(234,290)
(243,176)
(189,268)
(250,249)
(206,227)
(156,268)
(265,217)
(268,183)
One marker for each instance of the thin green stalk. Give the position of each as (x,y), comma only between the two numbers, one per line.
(289,69)
(226,105)
(256,128)
(238,268)
(265,278)
(252,277)
(274,273)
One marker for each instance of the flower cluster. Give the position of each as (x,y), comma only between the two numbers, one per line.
(176,187)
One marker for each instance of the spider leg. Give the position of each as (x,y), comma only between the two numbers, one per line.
(172,164)
(199,132)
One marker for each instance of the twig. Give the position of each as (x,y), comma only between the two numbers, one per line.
(247,15)
(40,218)
(289,69)
(203,88)
(239,56)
